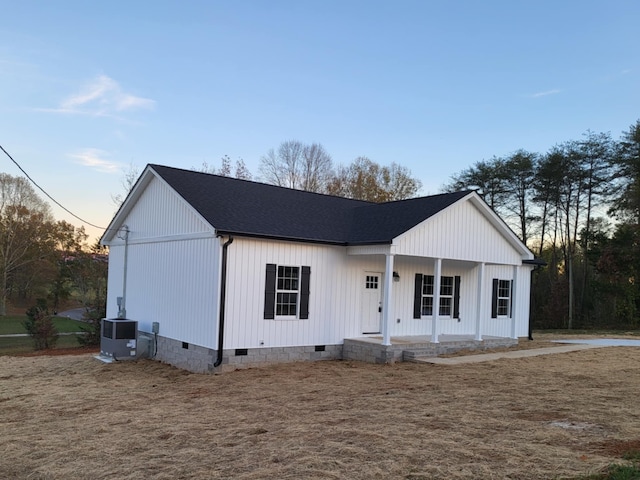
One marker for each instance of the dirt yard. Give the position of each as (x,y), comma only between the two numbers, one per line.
(547,417)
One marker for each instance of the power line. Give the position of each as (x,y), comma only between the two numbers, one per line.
(48,196)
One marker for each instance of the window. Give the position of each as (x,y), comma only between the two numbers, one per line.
(501,301)
(371,282)
(427,295)
(286,292)
(446,296)
(449,296)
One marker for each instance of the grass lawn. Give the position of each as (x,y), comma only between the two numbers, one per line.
(13,324)
(22,345)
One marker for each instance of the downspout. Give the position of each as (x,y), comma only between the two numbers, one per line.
(532,299)
(223,294)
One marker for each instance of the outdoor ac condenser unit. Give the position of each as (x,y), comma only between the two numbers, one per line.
(119,338)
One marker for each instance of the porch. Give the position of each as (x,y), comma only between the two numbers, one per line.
(407,348)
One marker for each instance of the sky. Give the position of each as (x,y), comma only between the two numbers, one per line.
(89,89)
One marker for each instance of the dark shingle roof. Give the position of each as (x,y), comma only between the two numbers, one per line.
(242,207)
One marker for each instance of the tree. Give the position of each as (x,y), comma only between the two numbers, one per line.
(546,195)
(241,170)
(39,325)
(128,180)
(553,200)
(71,243)
(626,203)
(597,153)
(299,166)
(365,179)
(27,230)
(486,177)
(89,272)
(619,268)
(317,168)
(517,179)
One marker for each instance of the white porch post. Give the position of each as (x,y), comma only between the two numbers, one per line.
(513,304)
(437,271)
(387,302)
(479,302)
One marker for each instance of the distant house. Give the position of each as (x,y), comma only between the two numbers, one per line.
(238,273)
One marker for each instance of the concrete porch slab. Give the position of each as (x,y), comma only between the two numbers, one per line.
(407,348)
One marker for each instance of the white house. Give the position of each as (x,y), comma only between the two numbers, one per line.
(239,273)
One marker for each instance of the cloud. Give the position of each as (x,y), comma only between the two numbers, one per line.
(545,93)
(94,158)
(102,97)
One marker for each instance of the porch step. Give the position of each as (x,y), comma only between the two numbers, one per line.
(445,348)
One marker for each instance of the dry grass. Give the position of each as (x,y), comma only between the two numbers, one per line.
(554,416)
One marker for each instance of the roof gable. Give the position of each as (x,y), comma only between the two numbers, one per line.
(241,207)
(467,230)
(382,222)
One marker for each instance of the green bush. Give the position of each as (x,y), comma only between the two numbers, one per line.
(91,330)
(39,325)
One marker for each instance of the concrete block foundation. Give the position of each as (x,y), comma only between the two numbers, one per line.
(199,359)
(195,358)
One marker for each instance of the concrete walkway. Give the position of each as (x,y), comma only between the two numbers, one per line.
(487,357)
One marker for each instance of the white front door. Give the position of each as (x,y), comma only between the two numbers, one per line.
(371,302)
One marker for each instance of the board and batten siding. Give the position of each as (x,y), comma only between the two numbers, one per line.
(403,292)
(173,268)
(501,326)
(161,212)
(460,232)
(335,290)
(173,283)
(336,295)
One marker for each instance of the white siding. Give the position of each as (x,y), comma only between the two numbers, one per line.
(336,289)
(160,212)
(459,232)
(174,270)
(334,305)
(501,327)
(173,282)
(404,297)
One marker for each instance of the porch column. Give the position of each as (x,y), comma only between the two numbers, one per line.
(387,301)
(479,304)
(512,298)
(437,271)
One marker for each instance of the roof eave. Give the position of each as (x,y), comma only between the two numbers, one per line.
(223,232)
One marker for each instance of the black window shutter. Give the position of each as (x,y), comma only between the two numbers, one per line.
(417,297)
(494,299)
(270,292)
(456,297)
(511,302)
(304,293)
